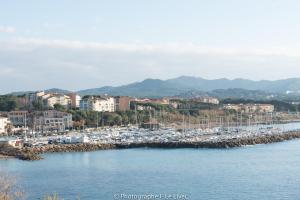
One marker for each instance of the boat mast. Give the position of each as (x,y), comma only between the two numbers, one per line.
(25,124)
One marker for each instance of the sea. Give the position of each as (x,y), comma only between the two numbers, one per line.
(261,172)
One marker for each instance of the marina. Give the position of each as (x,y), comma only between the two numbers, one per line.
(32,147)
(134,135)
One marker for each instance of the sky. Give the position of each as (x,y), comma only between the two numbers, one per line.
(79,44)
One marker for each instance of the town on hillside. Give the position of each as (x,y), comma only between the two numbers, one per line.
(45,115)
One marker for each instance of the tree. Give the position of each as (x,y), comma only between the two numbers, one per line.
(59,107)
(8,103)
(37,105)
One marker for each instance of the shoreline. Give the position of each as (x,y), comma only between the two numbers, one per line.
(35,153)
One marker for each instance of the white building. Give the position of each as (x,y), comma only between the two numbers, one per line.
(250,108)
(3,124)
(98,103)
(53,99)
(207,99)
(49,99)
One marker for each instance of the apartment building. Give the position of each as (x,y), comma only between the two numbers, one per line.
(207,99)
(51,120)
(250,108)
(122,103)
(163,101)
(53,99)
(75,100)
(18,118)
(98,103)
(49,99)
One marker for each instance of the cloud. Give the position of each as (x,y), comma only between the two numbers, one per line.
(173,48)
(7,29)
(33,63)
(6,71)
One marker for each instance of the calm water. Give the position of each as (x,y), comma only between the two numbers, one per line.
(255,172)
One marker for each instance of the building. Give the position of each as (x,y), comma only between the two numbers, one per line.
(207,99)
(163,101)
(250,108)
(48,100)
(3,124)
(51,99)
(51,120)
(148,104)
(122,103)
(75,100)
(35,96)
(41,120)
(18,118)
(174,104)
(98,103)
(143,107)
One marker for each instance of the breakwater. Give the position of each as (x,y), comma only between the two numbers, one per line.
(226,143)
(35,153)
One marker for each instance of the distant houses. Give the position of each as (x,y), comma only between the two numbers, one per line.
(101,103)
(118,103)
(250,108)
(207,99)
(48,100)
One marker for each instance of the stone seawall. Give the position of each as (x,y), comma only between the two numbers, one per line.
(34,153)
(228,143)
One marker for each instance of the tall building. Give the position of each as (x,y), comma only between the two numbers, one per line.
(75,100)
(98,103)
(122,103)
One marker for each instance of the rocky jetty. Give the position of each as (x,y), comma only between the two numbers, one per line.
(81,147)
(226,143)
(34,153)
(20,153)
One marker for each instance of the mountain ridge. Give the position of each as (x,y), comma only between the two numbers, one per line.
(176,86)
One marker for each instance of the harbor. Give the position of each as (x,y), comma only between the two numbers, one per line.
(32,147)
